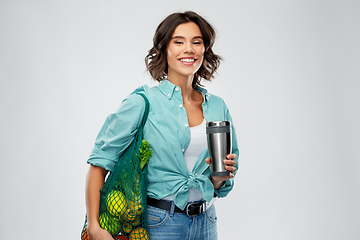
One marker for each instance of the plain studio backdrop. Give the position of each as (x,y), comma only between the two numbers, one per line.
(290,77)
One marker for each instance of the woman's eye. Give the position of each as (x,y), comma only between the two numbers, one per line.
(178,42)
(197,43)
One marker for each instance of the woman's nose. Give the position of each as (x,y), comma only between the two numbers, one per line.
(188,49)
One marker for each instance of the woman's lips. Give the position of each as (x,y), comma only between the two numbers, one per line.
(187,61)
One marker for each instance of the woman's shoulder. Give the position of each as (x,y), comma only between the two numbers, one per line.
(144,89)
(215,98)
(134,99)
(153,93)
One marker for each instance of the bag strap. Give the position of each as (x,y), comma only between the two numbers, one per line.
(147,109)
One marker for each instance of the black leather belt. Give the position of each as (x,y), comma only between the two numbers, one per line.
(191,209)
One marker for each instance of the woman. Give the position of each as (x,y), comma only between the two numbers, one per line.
(180,190)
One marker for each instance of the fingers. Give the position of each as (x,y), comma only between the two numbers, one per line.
(231,156)
(230,164)
(230,168)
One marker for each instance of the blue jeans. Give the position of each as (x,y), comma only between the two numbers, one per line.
(165,225)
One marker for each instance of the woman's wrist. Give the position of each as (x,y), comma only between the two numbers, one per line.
(93,228)
(217,184)
(93,223)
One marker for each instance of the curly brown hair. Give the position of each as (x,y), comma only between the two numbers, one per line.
(156,60)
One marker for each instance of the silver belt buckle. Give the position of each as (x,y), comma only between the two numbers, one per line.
(190,204)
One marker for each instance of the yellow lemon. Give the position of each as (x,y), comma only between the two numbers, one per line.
(116,203)
(139,233)
(109,223)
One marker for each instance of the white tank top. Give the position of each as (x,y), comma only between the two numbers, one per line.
(197,146)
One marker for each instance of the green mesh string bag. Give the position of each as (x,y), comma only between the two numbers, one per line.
(123,196)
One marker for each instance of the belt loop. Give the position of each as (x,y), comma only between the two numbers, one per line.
(172,208)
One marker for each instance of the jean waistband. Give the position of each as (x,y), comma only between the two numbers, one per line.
(191,209)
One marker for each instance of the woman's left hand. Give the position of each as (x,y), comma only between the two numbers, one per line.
(229,165)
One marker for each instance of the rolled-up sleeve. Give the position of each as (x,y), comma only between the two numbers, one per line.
(117,132)
(225,189)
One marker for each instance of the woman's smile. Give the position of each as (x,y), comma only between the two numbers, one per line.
(188,60)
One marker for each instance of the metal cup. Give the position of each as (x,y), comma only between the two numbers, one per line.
(219,145)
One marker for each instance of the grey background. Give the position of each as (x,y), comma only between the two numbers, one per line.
(290,77)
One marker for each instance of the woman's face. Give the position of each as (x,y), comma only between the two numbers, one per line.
(185,51)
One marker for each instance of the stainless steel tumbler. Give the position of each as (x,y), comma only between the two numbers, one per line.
(219,145)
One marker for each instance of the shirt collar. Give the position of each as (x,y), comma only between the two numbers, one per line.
(167,88)
(204,92)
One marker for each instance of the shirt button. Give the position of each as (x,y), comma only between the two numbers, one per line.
(180,105)
(183,150)
(186,125)
(169,95)
(176,89)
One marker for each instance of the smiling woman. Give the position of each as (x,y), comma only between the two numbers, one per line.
(181,191)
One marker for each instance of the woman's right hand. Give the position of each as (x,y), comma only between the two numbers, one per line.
(97,233)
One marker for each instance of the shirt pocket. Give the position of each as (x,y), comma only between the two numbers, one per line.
(156,217)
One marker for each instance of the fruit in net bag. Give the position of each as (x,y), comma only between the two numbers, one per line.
(127,228)
(109,223)
(84,234)
(116,203)
(139,233)
(121,237)
(136,207)
(129,215)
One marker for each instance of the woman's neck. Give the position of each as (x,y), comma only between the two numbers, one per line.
(185,83)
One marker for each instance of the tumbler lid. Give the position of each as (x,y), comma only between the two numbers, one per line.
(218,123)
(218,127)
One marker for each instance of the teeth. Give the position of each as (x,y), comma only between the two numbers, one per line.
(187,60)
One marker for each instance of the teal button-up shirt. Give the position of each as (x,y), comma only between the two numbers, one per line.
(168,132)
